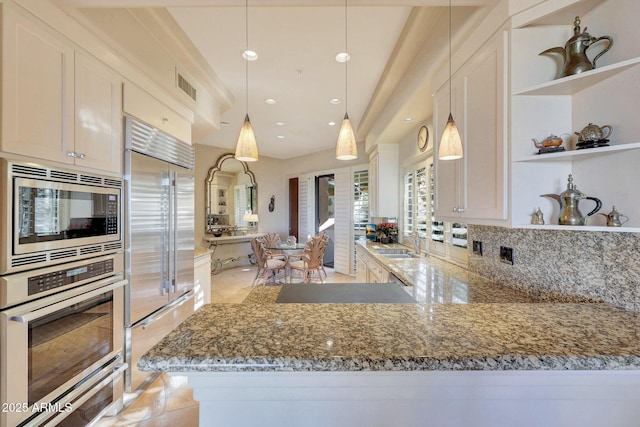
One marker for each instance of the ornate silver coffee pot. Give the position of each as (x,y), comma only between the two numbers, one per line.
(615,218)
(568,200)
(575,51)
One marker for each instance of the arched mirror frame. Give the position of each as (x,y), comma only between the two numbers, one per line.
(218,168)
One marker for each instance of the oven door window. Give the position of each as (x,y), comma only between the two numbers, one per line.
(66,342)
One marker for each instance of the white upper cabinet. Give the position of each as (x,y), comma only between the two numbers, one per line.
(149,109)
(542,104)
(37,90)
(383,181)
(98,118)
(475,187)
(58,103)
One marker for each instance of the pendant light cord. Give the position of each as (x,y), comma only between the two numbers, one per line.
(346,63)
(246,54)
(450,106)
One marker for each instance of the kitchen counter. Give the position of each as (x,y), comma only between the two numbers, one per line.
(498,358)
(356,337)
(498,328)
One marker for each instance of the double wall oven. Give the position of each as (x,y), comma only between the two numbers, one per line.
(61,296)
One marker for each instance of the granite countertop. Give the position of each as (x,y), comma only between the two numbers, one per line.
(461,322)
(364,337)
(200,251)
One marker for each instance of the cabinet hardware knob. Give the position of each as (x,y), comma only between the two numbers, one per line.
(81,156)
(71,154)
(165,120)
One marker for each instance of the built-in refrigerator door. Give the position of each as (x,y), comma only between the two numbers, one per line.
(147,235)
(182,234)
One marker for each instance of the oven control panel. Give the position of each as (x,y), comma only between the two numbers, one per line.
(55,279)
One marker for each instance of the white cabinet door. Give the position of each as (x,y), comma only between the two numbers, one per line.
(37,90)
(449,173)
(383,181)
(373,185)
(485,189)
(474,187)
(98,122)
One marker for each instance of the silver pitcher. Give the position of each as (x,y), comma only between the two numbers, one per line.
(575,51)
(568,200)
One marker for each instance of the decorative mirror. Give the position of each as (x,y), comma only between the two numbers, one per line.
(231,193)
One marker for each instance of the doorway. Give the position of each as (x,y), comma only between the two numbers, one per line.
(325,213)
(293,208)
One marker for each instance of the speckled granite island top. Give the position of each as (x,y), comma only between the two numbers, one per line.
(356,337)
(461,322)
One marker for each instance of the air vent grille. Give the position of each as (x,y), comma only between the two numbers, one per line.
(90,250)
(113,246)
(112,182)
(186,87)
(28,260)
(63,254)
(28,170)
(67,176)
(90,179)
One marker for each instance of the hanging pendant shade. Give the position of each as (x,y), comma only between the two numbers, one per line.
(247,148)
(450,145)
(346,149)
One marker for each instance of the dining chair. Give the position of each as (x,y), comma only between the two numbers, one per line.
(309,261)
(271,241)
(323,235)
(268,264)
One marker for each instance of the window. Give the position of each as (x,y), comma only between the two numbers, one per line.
(360,207)
(443,239)
(417,196)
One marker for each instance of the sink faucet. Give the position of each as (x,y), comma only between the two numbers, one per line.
(416,242)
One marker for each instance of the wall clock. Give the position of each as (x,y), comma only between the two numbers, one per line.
(423,138)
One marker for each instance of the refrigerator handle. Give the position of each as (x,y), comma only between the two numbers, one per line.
(166,235)
(174,233)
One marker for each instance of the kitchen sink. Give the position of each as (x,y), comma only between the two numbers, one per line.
(396,253)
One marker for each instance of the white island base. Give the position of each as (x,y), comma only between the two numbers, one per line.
(418,398)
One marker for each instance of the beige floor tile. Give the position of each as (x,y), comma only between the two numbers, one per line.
(234,284)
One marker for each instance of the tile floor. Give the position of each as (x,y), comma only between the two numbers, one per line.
(229,286)
(234,284)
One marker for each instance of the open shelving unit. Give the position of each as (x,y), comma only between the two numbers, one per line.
(541,104)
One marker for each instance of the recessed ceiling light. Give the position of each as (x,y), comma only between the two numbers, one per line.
(270,101)
(408,120)
(335,101)
(249,55)
(279,123)
(332,123)
(343,57)
(280,136)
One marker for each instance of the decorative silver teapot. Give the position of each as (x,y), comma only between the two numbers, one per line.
(575,51)
(592,133)
(568,200)
(615,218)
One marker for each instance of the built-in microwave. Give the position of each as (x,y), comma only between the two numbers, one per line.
(51,215)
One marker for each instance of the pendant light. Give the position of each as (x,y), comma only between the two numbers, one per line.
(247,147)
(450,147)
(346,148)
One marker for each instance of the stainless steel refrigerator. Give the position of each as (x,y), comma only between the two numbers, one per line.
(159,239)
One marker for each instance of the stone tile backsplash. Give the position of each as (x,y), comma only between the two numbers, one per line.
(580,265)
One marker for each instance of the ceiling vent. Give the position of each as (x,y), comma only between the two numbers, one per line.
(185,86)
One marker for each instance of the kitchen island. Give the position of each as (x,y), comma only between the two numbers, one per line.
(524,362)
